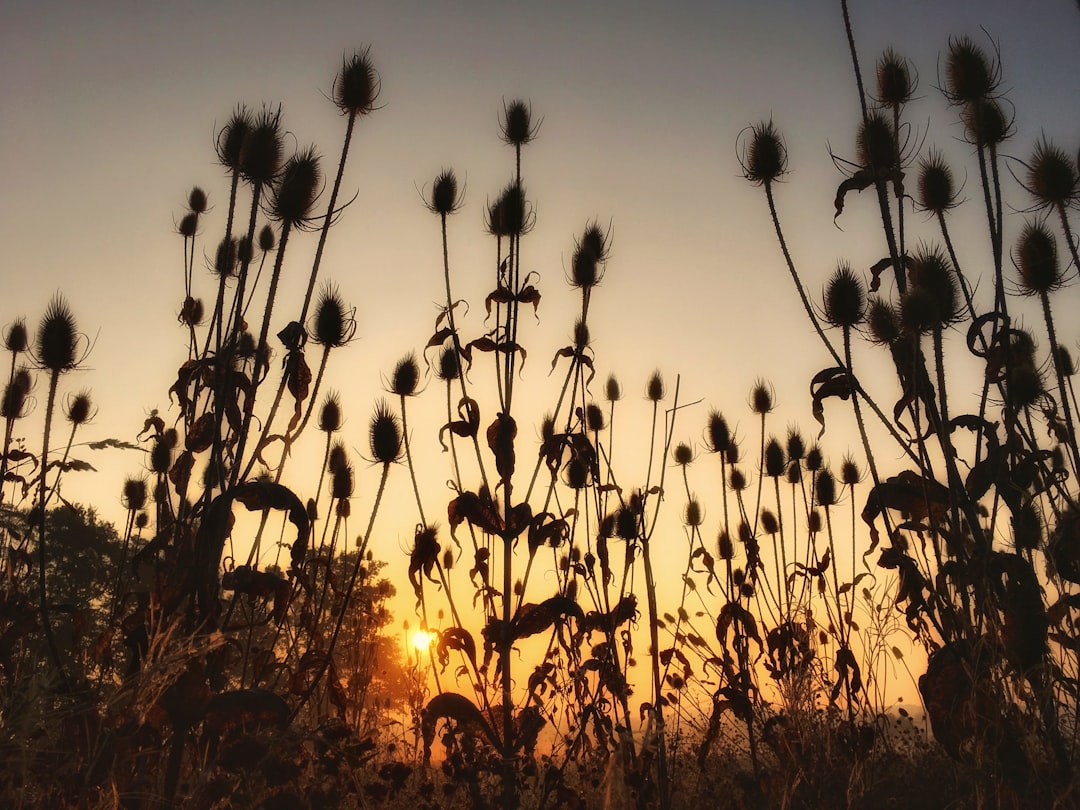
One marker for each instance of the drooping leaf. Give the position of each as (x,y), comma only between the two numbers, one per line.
(452,706)
(832,382)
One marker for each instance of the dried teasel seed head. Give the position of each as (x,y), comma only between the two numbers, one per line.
(814,459)
(626,524)
(161,455)
(57,337)
(245,250)
(931,270)
(845,298)
(142,520)
(825,492)
(761,397)
(225,257)
(294,195)
(547,428)
(693,515)
(796,447)
(745,533)
(267,239)
(875,143)
(582,338)
(189,225)
(384,435)
(969,73)
(343,508)
(134,494)
(192,312)
(985,123)
(1027,528)
(1036,258)
(937,192)
(510,214)
(449,366)
(683,454)
(330,413)
(245,345)
(737,479)
(1065,360)
(895,84)
(231,138)
(337,458)
(444,198)
(516,123)
(794,473)
(14,401)
(79,409)
(341,482)
(406,376)
(1024,385)
(719,436)
(17,338)
(261,155)
(333,325)
(577,473)
(1052,176)
(448,559)
(775,463)
(197,201)
(882,321)
(763,154)
(850,474)
(654,388)
(594,417)
(813,521)
(356,88)
(731,455)
(725,549)
(606,528)
(590,253)
(612,389)
(770,524)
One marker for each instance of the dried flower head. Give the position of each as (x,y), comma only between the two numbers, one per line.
(970,75)
(330,413)
(762,400)
(384,435)
(849,472)
(590,253)
(683,454)
(356,88)
(814,459)
(337,458)
(333,325)
(775,462)
(341,482)
(225,257)
(826,489)
(449,365)
(933,299)
(882,321)
(594,417)
(16,394)
(267,239)
(1027,528)
(875,143)
(57,337)
(189,225)
(577,473)
(79,408)
(693,515)
(1036,258)
(937,189)
(770,524)
(719,436)
(444,198)
(191,313)
(134,494)
(261,155)
(737,480)
(985,123)
(516,123)
(725,549)
(297,188)
(406,376)
(1052,176)
(510,214)
(197,201)
(895,84)
(845,298)
(16,338)
(654,388)
(581,336)
(245,250)
(230,140)
(796,447)
(612,389)
(1065,361)
(763,154)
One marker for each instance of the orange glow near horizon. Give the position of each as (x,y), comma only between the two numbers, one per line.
(421,640)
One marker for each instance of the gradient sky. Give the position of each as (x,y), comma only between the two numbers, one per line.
(108,113)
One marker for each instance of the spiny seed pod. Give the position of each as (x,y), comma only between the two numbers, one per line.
(612,389)
(1052,177)
(384,435)
(826,489)
(225,257)
(356,88)
(547,428)
(814,459)
(1065,361)
(1024,385)
(142,520)
(937,189)
(341,486)
(448,559)
(297,189)
(849,472)
(894,81)
(57,337)
(17,339)
(245,346)
(845,298)
(764,156)
(197,201)
(731,455)
(191,313)
(449,367)
(577,473)
(654,389)
(774,459)
(510,215)
(932,271)
(343,508)
(267,239)
(189,225)
(683,454)
(1027,528)
(337,458)
(1037,260)
(770,524)
(745,533)
(516,124)
(969,74)
(594,417)
(725,549)
(794,473)
(796,447)
(230,141)
(590,253)
(134,494)
(882,321)
(80,409)
(693,515)
(14,401)
(761,398)
(330,413)
(444,194)
(260,158)
(606,528)
(582,338)
(333,325)
(813,522)
(626,524)
(161,455)
(245,250)
(985,123)
(875,144)
(406,377)
(737,479)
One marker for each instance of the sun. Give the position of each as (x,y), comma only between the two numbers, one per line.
(422,639)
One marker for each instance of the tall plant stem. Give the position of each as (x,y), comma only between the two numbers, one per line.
(1070,428)
(43,601)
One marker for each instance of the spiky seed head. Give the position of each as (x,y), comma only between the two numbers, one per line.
(796,447)
(683,454)
(693,515)
(448,559)
(794,473)
(1052,176)
(261,156)
(134,494)
(882,321)
(1024,385)
(612,389)
(937,189)
(17,338)
(826,489)
(384,435)
(769,522)
(191,313)
(330,413)
(582,338)
(189,225)
(406,376)
(577,473)
(626,524)
(845,298)
(343,508)
(813,521)
(547,428)
(245,250)
(761,398)
(969,73)
(197,201)
(763,155)
(654,388)
(1065,361)
(510,214)
(775,462)
(737,480)
(161,455)
(444,194)
(719,436)
(448,367)
(590,253)
(356,88)
(814,459)
(932,270)
(985,123)
(297,189)
(267,239)
(894,81)
(14,401)
(725,549)
(333,324)
(594,417)
(849,472)
(79,409)
(1027,528)
(142,520)
(225,257)
(341,486)
(876,143)
(516,124)
(245,345)
(57,337)
(731,455)
(595,241)
(337,458)
(1036,258)
(231,138)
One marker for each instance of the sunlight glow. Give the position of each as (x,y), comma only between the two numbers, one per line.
(422,639)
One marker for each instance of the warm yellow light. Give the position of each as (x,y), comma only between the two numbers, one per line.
(422,639)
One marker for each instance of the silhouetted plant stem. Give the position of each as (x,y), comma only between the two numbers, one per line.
(1055,354)
(43,603)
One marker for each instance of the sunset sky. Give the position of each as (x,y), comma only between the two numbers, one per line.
(109,110)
